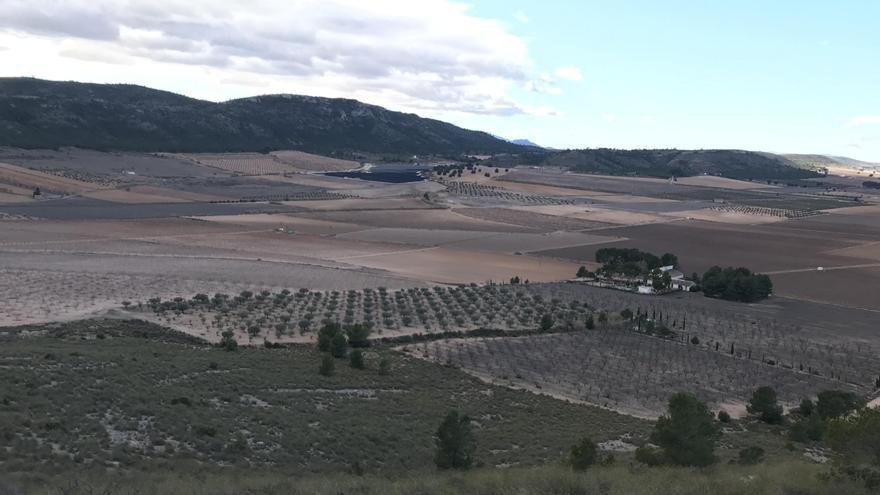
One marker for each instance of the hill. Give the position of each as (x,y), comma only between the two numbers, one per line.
(822,162)
(736,164)
(37,113)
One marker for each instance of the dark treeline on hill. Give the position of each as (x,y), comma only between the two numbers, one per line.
(36,113)
(736,284)
(870,184)
(665,163)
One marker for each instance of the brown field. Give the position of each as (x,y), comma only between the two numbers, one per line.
(446,265)
(20,176)
(413,219)
(799,245)
(314,163)
(596,214)
(532,220)
(315,180)
(240,163)
(364,204)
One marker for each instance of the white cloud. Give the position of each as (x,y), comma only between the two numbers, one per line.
(522,17)
(862,120)
(430,55)
(609,117)
(569,72)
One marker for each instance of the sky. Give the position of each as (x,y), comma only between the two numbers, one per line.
(788,76)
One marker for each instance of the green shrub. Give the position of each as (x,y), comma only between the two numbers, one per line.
(583,455)
(750,456)
(763,404)
(356,359)
(385,366)
(688,433)
(327,365)
(455,442)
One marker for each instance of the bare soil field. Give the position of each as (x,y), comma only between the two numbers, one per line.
(6,197)
(727,216)
(856,287)
(700,245)
(316,180)
(448,265)
(314,163)
(365,204)
(763,248)
(532,220)
(25,178)
(593,213)
(287,222)
(759,195)
(77,208)
(412,219)
(479,241)
(239,163)
(123,166)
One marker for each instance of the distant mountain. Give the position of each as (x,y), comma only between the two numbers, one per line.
(525,142)
(820,162)
(36,113)
(735,164)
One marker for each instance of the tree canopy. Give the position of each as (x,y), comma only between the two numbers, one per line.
(455,442)
(736,284)
(764,405)
(687,433)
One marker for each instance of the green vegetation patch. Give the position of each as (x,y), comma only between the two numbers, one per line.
(130,395)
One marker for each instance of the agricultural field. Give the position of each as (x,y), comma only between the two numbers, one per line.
(239,163)
(132,281)
(619,369)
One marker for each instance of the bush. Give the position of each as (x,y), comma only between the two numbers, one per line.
(338,345)
(385,366)
(455,442)
(546,322)
(358,335)
(764,405)
(688,433)
(723,416)
(750,456)
(326,335)
(327,365)
(650,456)
(356,359)
(583,455)
(808,428)
(806,408)
(832,404)
(228,342)
(856,439)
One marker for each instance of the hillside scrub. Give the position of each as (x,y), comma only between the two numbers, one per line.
(798,477)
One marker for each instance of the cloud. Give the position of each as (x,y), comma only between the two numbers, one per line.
(95,55)
(569,72)
(432,54)
(522,17)
(863,120)
(609,117)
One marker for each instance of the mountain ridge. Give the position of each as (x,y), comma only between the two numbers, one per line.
(37,113)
